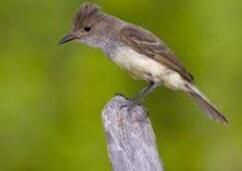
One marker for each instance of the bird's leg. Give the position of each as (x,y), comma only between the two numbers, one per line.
(146,91)
(141,95)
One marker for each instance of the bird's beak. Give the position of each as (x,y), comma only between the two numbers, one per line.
(69,37)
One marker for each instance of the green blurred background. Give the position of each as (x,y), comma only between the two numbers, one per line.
(51,97)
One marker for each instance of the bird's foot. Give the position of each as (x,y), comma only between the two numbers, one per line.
(132,103)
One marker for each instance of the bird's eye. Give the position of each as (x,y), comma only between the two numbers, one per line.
(87,29)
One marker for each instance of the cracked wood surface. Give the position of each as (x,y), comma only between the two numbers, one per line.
(130,137)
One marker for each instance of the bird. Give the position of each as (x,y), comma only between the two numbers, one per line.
(137,51)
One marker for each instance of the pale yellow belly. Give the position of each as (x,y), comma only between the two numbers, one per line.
(145,68)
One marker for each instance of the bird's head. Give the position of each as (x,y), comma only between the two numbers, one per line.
(90,26)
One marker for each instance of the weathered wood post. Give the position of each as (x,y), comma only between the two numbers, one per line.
(130,137)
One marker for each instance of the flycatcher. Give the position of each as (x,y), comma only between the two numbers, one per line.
(137,51)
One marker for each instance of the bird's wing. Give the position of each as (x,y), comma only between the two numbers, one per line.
(147,44)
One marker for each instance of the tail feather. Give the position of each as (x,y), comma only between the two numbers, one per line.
(210,109)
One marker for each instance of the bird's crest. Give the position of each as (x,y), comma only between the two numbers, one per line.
(86,11)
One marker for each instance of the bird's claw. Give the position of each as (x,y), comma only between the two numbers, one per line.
(130,104)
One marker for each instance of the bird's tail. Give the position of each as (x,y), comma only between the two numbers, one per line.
(204,103)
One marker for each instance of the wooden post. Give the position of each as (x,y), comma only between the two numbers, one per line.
(130,137)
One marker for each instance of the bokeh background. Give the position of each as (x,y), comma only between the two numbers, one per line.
(51,96)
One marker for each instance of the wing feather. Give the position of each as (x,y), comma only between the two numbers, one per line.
(147,44)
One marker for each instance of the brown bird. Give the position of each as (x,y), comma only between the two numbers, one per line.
(137,51)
